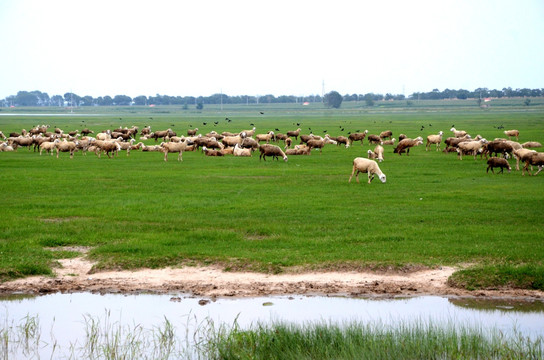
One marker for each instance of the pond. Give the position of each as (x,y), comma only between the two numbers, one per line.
(65,319)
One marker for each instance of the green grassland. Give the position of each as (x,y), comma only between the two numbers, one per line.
(246,214)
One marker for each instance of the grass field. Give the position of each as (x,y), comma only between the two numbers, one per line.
(246,214)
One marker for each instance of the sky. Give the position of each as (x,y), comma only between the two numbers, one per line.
(282,47)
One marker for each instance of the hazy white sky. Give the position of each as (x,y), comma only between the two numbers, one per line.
(282,47)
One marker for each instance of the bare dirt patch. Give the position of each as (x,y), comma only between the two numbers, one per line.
(74,275)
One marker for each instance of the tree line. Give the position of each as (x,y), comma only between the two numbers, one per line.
(38,98)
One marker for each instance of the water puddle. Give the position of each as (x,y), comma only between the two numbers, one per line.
(66,316)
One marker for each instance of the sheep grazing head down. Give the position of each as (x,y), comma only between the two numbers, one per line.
(382,178)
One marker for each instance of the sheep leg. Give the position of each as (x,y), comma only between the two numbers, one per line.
(180,158)
(539,169)
(370,177)
(353,172)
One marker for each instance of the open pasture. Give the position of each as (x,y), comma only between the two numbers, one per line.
(245,214)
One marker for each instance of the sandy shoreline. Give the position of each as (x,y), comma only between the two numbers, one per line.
(74,276)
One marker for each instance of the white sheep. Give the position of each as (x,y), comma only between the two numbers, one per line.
(512,133)
(238,151)
(522,155)
(366,166)
(377,153)
(434,139)
(531,144)
(265,137)
(457,133)
(470,147)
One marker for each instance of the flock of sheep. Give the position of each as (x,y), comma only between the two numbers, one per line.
(244,143)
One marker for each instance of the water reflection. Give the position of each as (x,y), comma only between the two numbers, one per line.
(65,315)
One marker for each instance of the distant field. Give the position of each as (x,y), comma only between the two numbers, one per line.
(246,214)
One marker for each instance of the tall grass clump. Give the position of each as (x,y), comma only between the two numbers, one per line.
(370,341)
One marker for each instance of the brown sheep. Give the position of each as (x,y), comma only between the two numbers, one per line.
(316,144)
(387,134)
(534,159)
(265,137)
(405,145)
(495,162)
(342,140)
(521,155)
(271,150)
(374,139)
(192,132)
(294,134)
(107,147)
(357,137)
(498,147)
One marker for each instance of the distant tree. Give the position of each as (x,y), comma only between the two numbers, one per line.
(369,99)
(333,99)
(72,99)
(25,98)
(140,100)
(527,102)
(199,106)
(87,100)
(57,100)
(122,100)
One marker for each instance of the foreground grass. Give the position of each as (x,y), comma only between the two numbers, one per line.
(106,339)
(371,341)
(247,214)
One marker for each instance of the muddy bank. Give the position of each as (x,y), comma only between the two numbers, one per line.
(74,276)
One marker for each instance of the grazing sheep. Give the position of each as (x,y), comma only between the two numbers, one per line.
(162,134)
(86,132)
(531,144)
(522,155)
(280,136)
(66,146)
(48,146)
(294,134)
(498,147)
(271,150)
(342,140)
(386,134)
(374,139)
(376,154)
(434,139)
(512,133)
(305,138)
(402,137)
(473,147)
(458,134)
(238,151)
(265,137)
(357,137)
(21,141)
(366,166)
(173,147)
(232,140)
(453,141)
(316,144)
(287,142)
(537,159)
(192,132)
(110,146)
(495,162)
(249,143)
(405,144)
(211,152)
